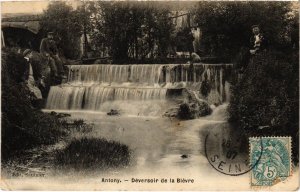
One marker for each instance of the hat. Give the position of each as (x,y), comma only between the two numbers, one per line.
(50,33)
(253,26)
(26,52)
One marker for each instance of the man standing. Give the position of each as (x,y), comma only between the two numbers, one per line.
(34,75)
(190,44)
(258,41)
(49,49)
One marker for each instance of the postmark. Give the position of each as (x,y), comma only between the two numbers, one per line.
(275,162)
(227,151)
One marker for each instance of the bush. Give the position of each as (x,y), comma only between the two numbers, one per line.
(23,126)
(265,101)
(93,152)
(66,23)
(226,26)
(131,30)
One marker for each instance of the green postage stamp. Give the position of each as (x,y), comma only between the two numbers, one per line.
(272,159)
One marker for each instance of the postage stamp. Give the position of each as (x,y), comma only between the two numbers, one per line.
(275,161)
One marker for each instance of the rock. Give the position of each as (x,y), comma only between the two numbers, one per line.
(172,112)
(113,112)
(191,107)
(62,115)
(203,109)
(185,112)
(193,110)
(184,156)
(53,113)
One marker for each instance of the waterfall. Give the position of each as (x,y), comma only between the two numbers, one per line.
(92,97)
(91,87)
(149,74)
(66,97)
(115,73)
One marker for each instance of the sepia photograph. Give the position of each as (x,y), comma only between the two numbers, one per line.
(150,95)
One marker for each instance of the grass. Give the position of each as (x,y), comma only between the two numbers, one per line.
(92,153)
(29,136)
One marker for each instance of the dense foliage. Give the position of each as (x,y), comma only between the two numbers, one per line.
(133,31)
(130,30)
(67,24)
(226,26)
(125,31)
(23,126)
(265,100)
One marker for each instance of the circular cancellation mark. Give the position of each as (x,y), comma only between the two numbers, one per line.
(227,152)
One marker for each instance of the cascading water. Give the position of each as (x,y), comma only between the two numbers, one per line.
(148,74)
(98,87)
(92,97)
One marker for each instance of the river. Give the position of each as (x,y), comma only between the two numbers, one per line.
(164,150)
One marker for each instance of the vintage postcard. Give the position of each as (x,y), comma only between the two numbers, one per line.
(150,95)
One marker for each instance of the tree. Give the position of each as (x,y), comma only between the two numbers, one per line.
(82,15)
(130,30)
(164,31)
(23,125)
(265,101)
(226,26)
(67,24)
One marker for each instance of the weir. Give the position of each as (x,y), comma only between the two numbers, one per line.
(149,74)
(92,97)
(90,87)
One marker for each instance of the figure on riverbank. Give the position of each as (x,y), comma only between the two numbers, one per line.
(40,70)
(49,49)
(190,40)
(258,42)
